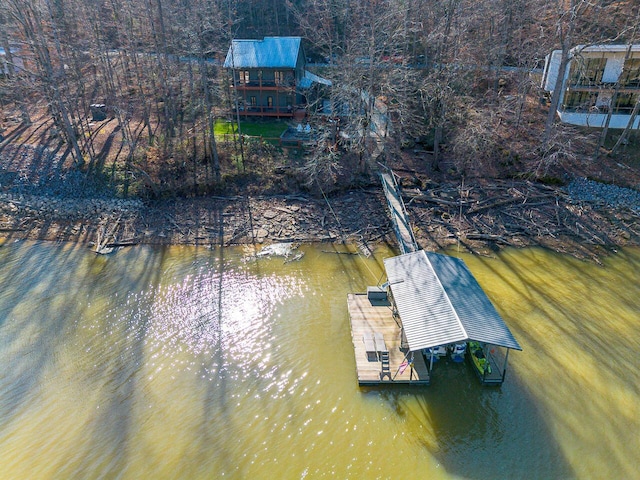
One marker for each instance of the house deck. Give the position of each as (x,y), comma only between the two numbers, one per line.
(265,112)
(369,318)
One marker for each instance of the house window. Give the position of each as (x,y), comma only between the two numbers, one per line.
(579,101)
(279,76)
(587,71)
(244,76)
(625,103)
(253,101)
(631,73)
(270,102)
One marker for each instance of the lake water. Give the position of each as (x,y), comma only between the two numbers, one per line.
(202,363)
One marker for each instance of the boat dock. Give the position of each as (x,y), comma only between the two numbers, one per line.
(380,355)
(436,303)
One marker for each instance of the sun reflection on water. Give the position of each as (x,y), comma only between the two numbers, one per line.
(224,319)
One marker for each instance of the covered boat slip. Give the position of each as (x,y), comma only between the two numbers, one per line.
(439,302)
(497,364)
(370,320)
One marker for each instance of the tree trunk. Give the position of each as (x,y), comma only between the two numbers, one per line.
(11,72)
(625,132)
(437,137)
(565,33)
(555,98)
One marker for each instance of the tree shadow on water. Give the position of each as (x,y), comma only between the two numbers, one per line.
(34,327)
(478,432)
(121,331)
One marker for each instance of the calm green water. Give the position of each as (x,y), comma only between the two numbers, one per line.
(197,363)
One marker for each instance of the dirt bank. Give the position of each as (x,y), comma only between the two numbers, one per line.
(488,216)
(42,197)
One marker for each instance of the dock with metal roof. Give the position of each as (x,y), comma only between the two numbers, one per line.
(429,300)
(439,302)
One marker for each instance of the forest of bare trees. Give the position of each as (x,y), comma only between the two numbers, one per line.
(436,66)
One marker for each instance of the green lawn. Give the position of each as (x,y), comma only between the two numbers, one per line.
(265,129)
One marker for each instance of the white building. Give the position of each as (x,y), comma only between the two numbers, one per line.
(598,80)
(18,64)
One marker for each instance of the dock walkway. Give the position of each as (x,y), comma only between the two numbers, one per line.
(374,320)
(399,217)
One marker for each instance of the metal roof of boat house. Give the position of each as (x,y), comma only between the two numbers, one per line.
(270,52)
(439,302)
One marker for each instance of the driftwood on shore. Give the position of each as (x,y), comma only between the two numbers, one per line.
(123,243)
(517,214)
(106,234)
(500,213)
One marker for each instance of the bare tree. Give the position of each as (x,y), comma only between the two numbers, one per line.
(614,96)
(13,73)
(32,18)
(567,16)
(625,133)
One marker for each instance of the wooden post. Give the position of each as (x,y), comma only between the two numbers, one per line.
(411,366)
(484,370)
(504,368)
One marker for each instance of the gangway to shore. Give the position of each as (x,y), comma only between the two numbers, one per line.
(399,216)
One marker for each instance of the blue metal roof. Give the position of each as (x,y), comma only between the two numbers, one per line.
(439,302)
(271,52)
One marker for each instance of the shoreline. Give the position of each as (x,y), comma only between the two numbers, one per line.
(44,197)
(516,214)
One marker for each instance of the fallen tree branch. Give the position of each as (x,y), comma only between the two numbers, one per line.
(430,199)
(488,237)
(508,201)
(123,243)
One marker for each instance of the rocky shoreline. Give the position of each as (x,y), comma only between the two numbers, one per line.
(585,190)
(584,219)
(192,221)
(42,199)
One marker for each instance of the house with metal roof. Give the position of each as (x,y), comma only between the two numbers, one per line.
(267,76)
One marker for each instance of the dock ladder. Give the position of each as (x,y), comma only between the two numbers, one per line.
(384,359)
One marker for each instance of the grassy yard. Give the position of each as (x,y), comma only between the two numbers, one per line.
(265,129)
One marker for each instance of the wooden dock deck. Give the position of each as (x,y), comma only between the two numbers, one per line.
(367,319)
